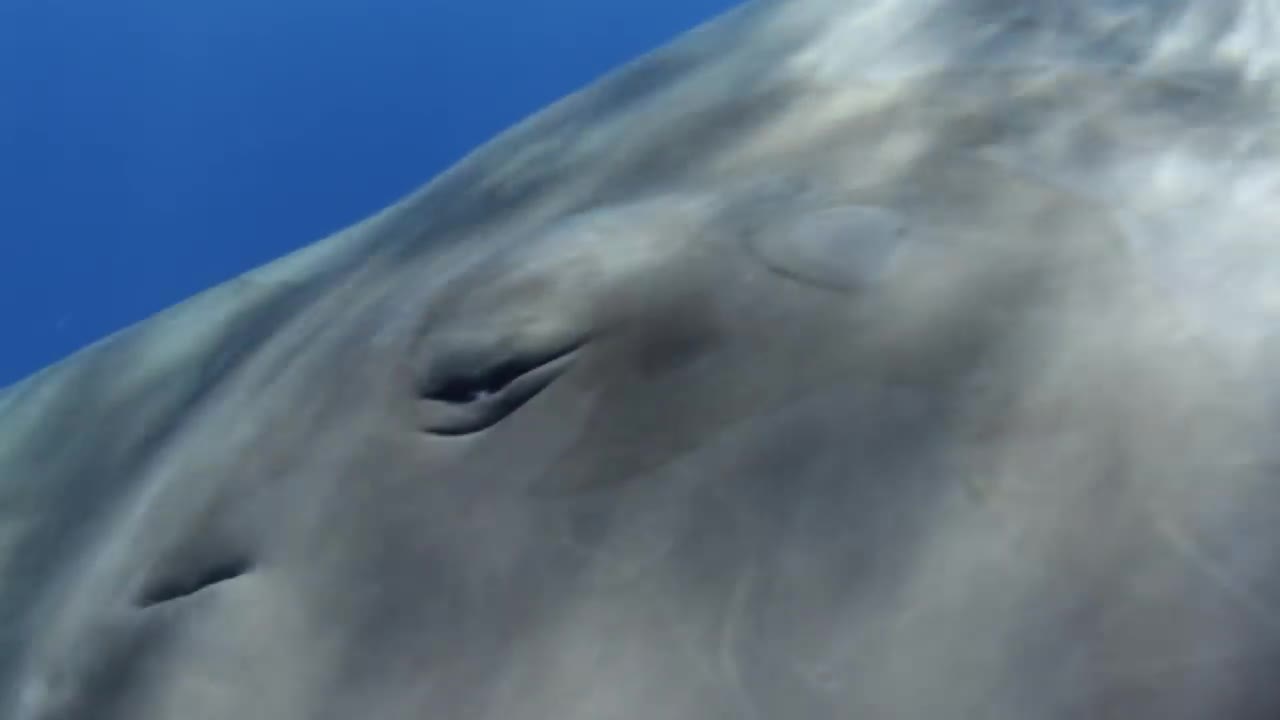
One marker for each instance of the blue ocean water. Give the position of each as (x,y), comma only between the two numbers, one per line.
(152,148)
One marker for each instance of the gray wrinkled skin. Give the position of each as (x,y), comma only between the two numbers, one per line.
(882,359)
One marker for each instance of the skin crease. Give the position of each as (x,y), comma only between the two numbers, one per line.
(840,360)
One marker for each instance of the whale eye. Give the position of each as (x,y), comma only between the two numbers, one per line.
(469,390)
(469,384)
(189,580)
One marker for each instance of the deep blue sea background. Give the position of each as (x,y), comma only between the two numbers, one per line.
(150,149)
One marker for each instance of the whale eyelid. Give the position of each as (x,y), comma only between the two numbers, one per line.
(466,391)
(480,382)
(467,377)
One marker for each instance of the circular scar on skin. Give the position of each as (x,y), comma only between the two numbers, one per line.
(842,249)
